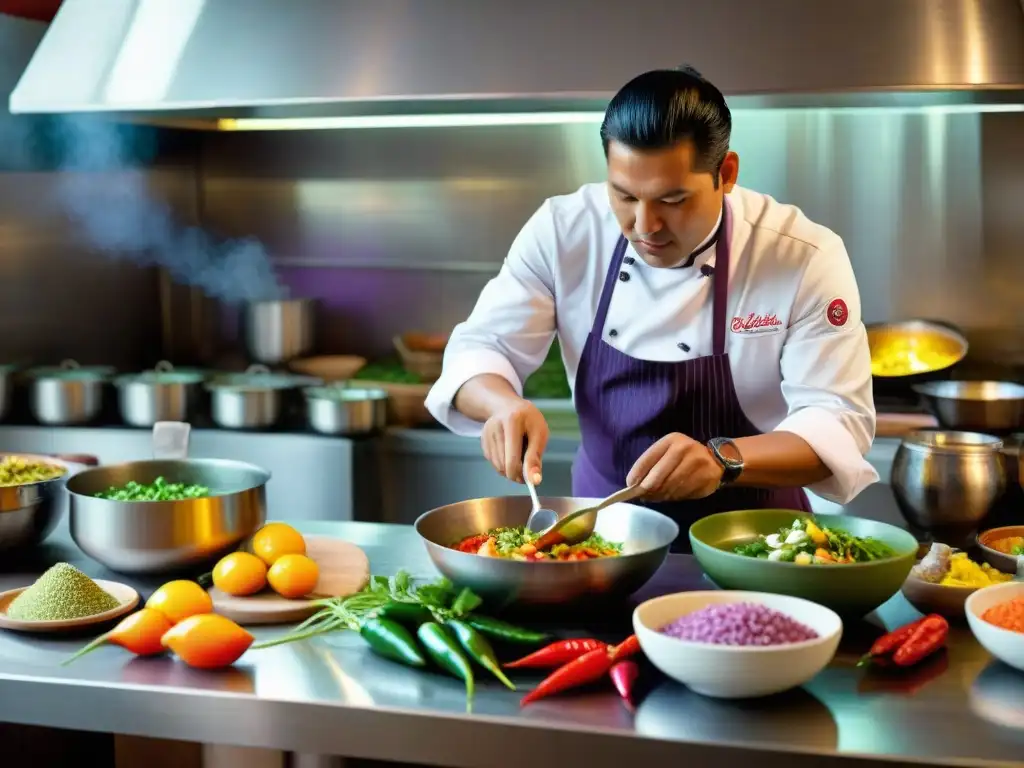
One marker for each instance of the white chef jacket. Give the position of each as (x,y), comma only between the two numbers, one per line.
(795,369)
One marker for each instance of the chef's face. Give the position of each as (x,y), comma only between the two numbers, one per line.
(665,205)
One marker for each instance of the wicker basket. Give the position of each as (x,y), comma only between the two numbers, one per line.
(406,406)
(421,354)
(329,368)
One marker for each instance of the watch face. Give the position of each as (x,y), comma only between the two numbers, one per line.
(728,461)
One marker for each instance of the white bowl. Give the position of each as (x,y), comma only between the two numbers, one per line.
(736,672)
(1006,645)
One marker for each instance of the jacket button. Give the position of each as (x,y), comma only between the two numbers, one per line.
(613,332)
(624,277)
(630,260)
(683,346)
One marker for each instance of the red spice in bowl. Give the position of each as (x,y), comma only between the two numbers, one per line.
(1008,615)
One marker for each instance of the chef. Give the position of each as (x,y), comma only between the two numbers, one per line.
(712,335)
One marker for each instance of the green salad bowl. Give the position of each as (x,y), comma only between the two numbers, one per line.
(850,590)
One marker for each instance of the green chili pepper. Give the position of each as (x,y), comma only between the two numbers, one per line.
(446,653)
(392,641)
(409,614)
(500,630)
(476,645)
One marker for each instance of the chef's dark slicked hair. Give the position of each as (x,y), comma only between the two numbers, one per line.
(663,107)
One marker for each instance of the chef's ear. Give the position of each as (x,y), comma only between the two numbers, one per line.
(729,171)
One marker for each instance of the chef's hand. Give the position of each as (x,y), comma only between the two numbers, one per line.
(504,435)
(676,468)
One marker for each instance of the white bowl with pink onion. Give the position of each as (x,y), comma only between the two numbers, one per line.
(736,645)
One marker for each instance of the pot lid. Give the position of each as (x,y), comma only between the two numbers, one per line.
(347,392)
(261,377)
(70,370)
(165,373)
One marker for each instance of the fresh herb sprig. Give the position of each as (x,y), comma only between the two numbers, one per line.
(439,597)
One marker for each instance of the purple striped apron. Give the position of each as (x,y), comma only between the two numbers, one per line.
(626,404)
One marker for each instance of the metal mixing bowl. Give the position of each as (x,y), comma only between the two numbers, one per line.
(347,410)
(644,533)
(28,513)
(946,482)
(150,537)
(975,406)
(898,350)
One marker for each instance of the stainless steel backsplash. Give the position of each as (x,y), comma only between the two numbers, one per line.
(400,228)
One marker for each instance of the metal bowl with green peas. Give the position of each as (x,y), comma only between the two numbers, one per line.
(158,490)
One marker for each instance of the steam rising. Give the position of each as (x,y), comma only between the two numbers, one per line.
(118,214)
(107,195)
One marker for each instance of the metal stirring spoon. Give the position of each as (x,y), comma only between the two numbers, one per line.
(563,531)
(540,518)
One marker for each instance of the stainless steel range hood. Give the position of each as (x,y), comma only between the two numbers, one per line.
(205,62)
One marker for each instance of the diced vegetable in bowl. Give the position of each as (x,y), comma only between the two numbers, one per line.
(806,541)
(945,578)
(737,644)
(848,564)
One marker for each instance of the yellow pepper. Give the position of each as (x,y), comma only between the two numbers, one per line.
(816,534)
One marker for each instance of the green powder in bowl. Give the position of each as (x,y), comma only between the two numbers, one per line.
(60,594)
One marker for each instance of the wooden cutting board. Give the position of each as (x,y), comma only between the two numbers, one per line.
(344,570)
(899,424)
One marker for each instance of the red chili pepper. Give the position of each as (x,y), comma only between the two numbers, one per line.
(889,643)
(588,668)
(927,638)
(628,647)
(624,675)
(556,654)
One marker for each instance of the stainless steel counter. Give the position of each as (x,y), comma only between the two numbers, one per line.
(331,696)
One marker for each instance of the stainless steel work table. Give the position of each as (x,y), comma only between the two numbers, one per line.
(332,697)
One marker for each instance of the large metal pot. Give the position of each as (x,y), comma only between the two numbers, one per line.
(975,406)
(947,482)
(254,399)
(68,394)
(28,513)
(152,537)
(162,394)
(280,330)
(645,534)
(348,410)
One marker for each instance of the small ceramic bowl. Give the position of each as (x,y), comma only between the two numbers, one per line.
(1006,645)
(935,598)
(736,672)
(1000,560)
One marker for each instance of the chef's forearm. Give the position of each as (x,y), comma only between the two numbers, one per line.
(779,460)
(483,396)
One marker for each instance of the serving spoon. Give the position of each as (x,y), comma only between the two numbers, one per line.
(540,518)
(562,531)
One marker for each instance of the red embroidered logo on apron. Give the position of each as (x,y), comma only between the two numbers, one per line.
(838,313)
(756,324)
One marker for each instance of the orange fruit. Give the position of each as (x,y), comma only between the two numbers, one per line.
(207,641)
(240,574)
(293,576)
(276,539)
(177,600)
